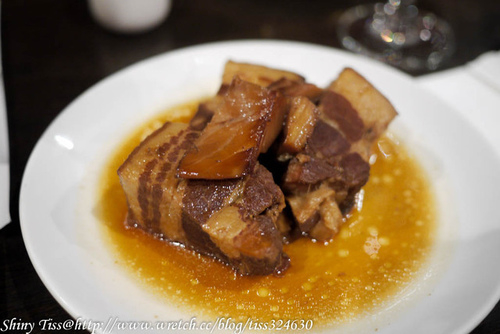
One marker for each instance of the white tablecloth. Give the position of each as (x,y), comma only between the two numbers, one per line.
(472,90)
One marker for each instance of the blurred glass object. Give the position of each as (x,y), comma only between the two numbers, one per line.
(129,16)
(397,32)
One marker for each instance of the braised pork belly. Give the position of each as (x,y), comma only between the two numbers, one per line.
(352,114)
(245,121)
(268,139)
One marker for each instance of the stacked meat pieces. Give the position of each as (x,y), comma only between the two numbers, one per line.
(267,140)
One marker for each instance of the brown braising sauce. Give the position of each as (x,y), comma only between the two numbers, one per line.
(379,251)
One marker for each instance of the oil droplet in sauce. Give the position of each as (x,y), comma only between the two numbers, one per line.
(379,251)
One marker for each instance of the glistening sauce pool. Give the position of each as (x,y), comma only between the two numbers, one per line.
(378,253)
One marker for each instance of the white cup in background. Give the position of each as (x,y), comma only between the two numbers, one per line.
(129,16)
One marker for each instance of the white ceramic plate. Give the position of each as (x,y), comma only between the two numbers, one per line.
(58,189)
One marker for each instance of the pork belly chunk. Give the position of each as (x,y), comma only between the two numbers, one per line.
(152,189)
(299,124)
(256,74)
(241,123)
(322,181)
(232,220)
(235,220)
(324,176)
(374,110)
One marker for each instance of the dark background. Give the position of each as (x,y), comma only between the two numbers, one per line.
(52,51)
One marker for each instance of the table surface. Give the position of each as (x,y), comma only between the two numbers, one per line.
(52,51)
